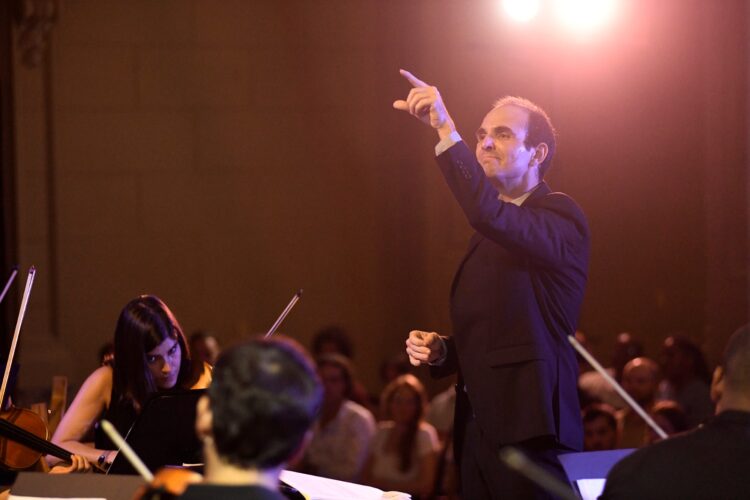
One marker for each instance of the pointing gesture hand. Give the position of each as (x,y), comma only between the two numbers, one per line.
(424,102)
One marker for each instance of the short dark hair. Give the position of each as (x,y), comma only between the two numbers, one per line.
(143,324)
(673,412)
(264,397)
(736,361)
(599,410)
(539,129)
(336,335)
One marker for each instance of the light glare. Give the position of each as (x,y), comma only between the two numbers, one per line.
(521,10)
(585,15)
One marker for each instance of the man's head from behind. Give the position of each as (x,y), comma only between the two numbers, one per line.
(263,399)
(730,387)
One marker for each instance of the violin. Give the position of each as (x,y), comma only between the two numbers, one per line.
(25,440)
(23,434)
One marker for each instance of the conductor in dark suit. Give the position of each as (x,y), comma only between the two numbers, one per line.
(516,295)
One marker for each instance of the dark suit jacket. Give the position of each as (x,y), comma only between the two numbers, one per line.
(710,462)
(515,297)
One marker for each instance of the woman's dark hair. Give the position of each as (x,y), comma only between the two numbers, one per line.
(144,323)
(408,439)
(345,367)
(264,397)
(673,412)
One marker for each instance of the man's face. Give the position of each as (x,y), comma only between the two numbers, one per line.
(598,435)
(500,145)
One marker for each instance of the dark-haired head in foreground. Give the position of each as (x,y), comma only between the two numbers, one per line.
(264,397)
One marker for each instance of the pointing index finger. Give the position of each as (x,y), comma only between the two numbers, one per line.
(415,82)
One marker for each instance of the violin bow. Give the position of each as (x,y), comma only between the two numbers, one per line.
(622,392)
(284,313)
(19,322)
(12,276)
(126,450)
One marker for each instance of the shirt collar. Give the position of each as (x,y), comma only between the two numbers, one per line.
(519,201)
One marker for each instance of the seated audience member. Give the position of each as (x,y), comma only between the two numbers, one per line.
(669,416)
(599,427)
(686,378)
(151,355)
(710,462)
(640,379)
(204,349)
(403,454)
(342,435)
(334,340)
(593,387)
(440,413)
(256,417)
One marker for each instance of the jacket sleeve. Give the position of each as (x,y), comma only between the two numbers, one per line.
(450,365)
(552,231)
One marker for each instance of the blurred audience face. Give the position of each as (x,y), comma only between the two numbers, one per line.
(334,383)
(599,434)
(640,378)
(668,415)
(404,405)
(204,347)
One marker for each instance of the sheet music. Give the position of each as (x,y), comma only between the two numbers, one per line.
(590,489)
(24,497)
(321,488)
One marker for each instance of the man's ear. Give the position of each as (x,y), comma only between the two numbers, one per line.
(204,418)
(717,384)
(540,154)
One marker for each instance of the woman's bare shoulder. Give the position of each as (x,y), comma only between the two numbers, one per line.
(99,383)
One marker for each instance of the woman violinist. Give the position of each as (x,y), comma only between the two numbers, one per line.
(151,355)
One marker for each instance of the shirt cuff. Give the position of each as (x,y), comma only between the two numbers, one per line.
(446,143)
(441,360)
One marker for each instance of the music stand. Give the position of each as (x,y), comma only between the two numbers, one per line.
(592,466)
(164,433)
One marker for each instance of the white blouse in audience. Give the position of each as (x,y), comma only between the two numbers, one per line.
(339,450)
(386,466)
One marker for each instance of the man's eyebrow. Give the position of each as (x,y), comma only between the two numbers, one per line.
(503,128)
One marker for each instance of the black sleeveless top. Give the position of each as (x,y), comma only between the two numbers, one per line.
(122,415)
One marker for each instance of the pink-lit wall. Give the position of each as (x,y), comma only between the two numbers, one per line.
(222,154)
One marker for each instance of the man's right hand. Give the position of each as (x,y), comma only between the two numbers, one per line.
(424,102)
(424,347)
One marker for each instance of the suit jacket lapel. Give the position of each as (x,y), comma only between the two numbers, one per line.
(473,242)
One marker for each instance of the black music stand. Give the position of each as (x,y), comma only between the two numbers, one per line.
(164,433)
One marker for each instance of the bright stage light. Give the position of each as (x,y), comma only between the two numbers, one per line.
(585,15)
(521,10)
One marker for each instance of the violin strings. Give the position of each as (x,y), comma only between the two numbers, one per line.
(13,431)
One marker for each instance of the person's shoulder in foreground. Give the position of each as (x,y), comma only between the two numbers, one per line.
(710,462)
